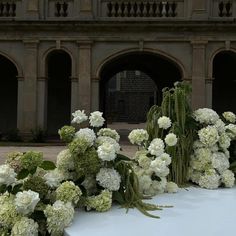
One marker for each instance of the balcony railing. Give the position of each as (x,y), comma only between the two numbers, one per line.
(142,9)
(9,9)
(60,9)
(223,9)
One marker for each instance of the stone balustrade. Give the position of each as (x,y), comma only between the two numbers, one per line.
(223,9)
(8,9)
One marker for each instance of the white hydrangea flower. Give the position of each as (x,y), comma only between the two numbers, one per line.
(65,160)
(145,182)
(210,180)
(166,158)
(228,178)
(144,161)
(220,126)
(25,227)
(156,147)
(208,135)
(103,139)
(109,133)
(7,175)
(106,152)
(231,130)
(96,119)
(59,216)
(194,175)
(158,187)
(198,144)
(164,122)
(79,117)
(53,178)
(220,162)
(109,179)
(204,155)
(171,187)
(224,141)
(138,136)
(206,116)
(26,201)
(229,116)
(87,134)
(159,167)
(171,139)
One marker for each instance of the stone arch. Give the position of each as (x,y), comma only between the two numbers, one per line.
(8,94)
(158,67)
(58,71)
(223,73)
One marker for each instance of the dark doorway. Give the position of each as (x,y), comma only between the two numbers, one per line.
(8,96)
(59,91)
(132,83)
(224,83)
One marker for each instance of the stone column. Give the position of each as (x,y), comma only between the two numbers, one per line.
(30,86)
(20,103)
(95,94)
(199,9)
(86,8)
(198,74)
(42,102)
(84,72)
(74,94)
(209,83)
(31,9)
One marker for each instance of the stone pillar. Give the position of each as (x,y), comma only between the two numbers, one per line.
(199,9)
(42,102)
(209,83)
(32,9)
(74,94)
(20,103)
(198,74)
(84,72)
(30,86)
(95,94)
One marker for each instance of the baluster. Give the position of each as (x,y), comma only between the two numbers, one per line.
(58,9)
(13,6)
(1,9)
(129,9)
(228,8)
(122,7)
(148,6)
(141,9)
(116,9)
(135,8)
(119,10)
(7,12)
(167,8)
(65,9)
(173,9)
(109,9)
(113,13)
(221,9)
(154,9)
(161,9)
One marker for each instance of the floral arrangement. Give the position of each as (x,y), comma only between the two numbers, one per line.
(39,198)
(151,162)
(209,165)
(175,113)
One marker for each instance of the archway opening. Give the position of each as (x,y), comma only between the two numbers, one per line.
(8,96)
(224,83)
(59,91)
(130,84)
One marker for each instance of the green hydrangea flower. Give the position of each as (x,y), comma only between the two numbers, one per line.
(68,192)
(101,202)
(87,163)
(31,160)
(8,213)
(78,146)
(67,133)
(25,227)
(36,184)
(13,159)
(4,231)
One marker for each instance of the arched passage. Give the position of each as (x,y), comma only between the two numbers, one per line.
(8,95)
(59,90)
(224,83)
(142,77)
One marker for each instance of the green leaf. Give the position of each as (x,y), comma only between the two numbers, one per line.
(17,188)
(23,174)
(118,197)
(3,188)
(33,171)
(48,165)
(122,157)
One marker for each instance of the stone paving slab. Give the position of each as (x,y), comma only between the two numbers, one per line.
(50,152)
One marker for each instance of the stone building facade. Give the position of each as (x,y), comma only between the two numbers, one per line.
(57,56)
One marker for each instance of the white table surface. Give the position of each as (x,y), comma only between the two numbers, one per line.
(196,212)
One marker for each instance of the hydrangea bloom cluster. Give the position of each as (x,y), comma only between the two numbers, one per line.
(209,166)
(96,119)
(79,116)
(138,136)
